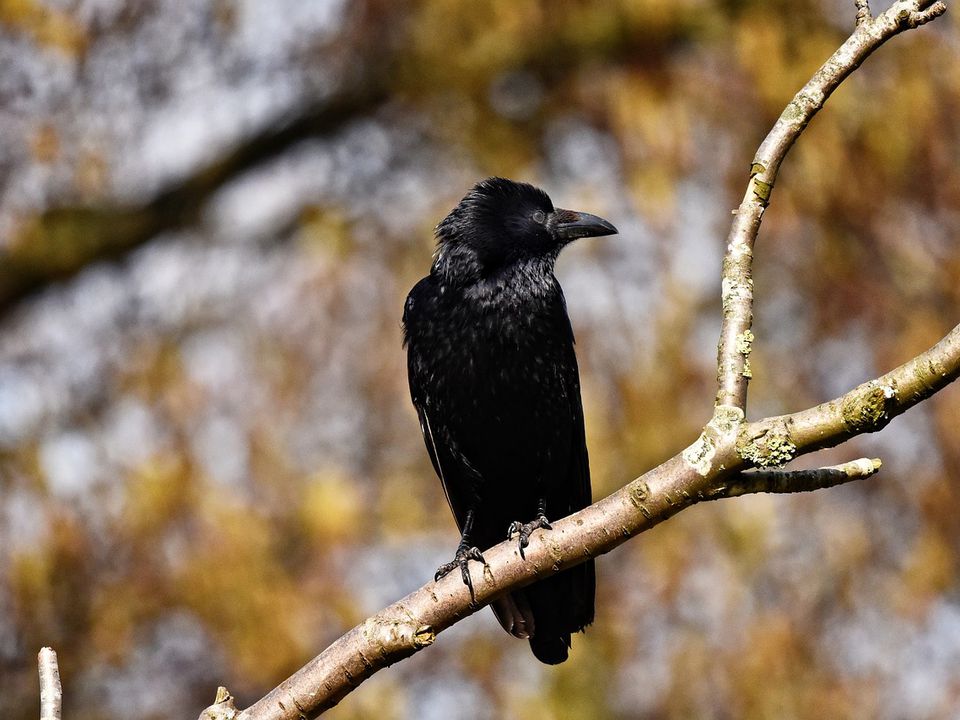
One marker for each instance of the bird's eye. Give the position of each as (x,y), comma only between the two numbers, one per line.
(539,217)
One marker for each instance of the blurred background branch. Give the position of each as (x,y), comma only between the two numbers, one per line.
(61,241)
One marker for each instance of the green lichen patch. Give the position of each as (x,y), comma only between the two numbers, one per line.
(800,109)
(732,290)
(865,409)
(771,447)
(726,418)
(424,636)
(762,190)
(745,342)
(638,493)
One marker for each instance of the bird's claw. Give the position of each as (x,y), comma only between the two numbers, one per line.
(461,560)
(526,530)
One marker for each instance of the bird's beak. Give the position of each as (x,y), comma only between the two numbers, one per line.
(571,225)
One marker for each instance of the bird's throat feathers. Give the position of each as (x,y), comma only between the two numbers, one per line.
(457,265)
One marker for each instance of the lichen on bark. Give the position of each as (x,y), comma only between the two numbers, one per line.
(865,410)
(772,446)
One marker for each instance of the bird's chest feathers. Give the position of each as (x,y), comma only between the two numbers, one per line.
(515,312)
(501,336)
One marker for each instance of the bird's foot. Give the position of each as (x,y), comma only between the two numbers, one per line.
(461,560)
(526,529)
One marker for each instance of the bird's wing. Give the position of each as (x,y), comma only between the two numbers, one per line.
(457,474)
(431,443)
(448,462)
(578,584)
(578,471)
(583,580)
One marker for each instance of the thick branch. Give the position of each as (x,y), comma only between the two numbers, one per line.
(736,337)
(51,692)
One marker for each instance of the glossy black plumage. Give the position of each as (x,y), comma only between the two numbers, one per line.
(494,378)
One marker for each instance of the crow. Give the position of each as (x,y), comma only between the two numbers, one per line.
(493,376)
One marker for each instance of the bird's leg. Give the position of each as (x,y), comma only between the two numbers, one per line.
(465,553)
(526,529)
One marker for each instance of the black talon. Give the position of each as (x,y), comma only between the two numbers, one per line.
(465,553)
(526,529)
(462,560)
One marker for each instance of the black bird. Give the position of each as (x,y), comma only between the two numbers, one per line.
(494,379)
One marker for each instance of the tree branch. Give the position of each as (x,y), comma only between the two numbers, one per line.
(712,467)
(866,408)
(51,692)
(223,707)
(736,337)
(785,481)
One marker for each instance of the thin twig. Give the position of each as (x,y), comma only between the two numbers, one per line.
(223,707)
(863,11)
(736,337)
(51,692)
(932,12)
(794,481)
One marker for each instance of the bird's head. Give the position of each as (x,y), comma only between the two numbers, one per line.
(500,222)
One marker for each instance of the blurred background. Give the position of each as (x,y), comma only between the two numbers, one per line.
(210,213)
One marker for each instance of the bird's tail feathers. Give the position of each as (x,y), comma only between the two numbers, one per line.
(551,650)
(513,612)
(549,611)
